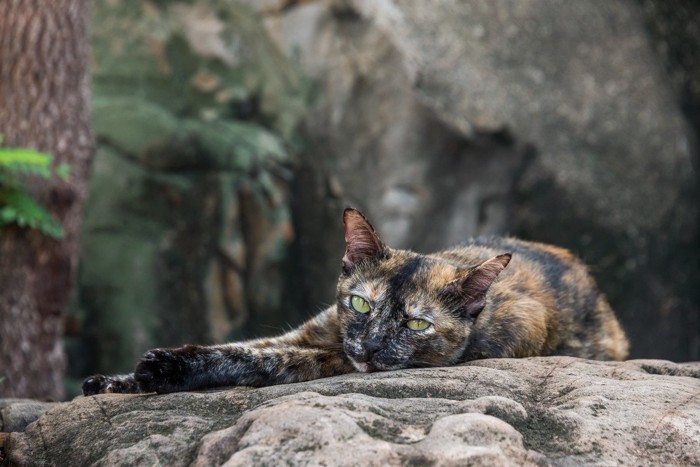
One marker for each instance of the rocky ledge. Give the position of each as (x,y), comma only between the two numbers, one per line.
(537,411)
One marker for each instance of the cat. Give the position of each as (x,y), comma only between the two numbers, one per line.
(488,298)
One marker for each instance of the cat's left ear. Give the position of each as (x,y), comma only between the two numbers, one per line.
(473,287)
(361,241)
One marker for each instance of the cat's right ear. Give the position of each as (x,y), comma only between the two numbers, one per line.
(361,241)
(473,287)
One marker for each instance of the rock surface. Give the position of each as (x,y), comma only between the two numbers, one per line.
(16,414)
(538,411)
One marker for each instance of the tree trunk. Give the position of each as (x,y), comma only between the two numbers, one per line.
(44,105)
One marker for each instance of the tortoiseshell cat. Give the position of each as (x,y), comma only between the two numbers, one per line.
(491,297)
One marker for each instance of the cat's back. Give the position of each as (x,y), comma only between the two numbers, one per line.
(551,275)
(550,284)
(539,263)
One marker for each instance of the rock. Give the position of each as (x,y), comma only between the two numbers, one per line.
(536,411)
(16,414)
(552,120)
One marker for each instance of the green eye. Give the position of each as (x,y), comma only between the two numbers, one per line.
(417,324)
(359,304)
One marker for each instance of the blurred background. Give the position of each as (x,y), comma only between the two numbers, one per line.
(229,136)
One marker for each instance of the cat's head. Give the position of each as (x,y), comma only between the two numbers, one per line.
(400,309)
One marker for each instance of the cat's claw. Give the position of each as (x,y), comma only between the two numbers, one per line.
(100,384)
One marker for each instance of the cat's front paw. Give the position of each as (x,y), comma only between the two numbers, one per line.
(94,385)
(100,384)
(163,371)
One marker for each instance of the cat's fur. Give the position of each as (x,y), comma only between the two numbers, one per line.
(492,297)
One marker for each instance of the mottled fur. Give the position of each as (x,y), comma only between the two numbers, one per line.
(489,298)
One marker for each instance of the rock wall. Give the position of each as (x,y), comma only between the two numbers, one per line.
(537,411)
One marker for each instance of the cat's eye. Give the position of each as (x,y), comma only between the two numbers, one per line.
(359,304)
(417,324)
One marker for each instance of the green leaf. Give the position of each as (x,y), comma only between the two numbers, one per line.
(21,209)
(26,161)
(16,205)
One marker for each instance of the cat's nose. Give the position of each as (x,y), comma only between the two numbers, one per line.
(371,345)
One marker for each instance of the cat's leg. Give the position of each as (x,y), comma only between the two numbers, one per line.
(198,367)
(314,350)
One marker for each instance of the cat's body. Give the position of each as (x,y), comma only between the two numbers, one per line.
(493,297)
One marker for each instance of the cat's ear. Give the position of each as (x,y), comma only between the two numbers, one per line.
(361,241)
(473,287)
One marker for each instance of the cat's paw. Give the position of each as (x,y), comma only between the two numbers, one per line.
(100,384)
(94,385)
(162,371)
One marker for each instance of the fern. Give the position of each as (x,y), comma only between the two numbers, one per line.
(16,205)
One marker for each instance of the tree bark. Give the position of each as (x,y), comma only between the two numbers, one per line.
(44,105)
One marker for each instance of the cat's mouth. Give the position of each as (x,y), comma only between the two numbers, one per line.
(363,367)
